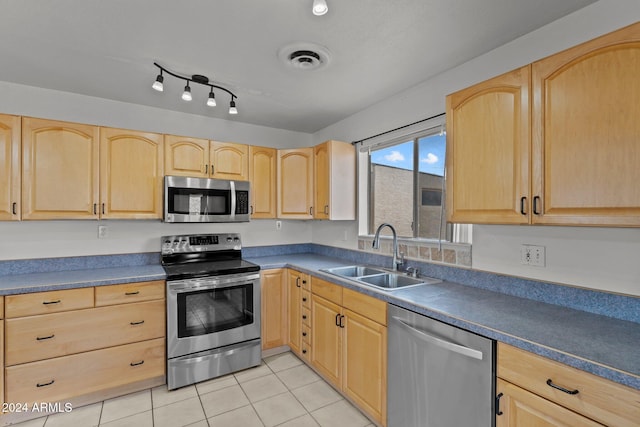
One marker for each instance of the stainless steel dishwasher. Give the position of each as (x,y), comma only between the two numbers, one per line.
(439,375)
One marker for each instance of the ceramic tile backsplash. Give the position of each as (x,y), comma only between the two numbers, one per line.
(450,254)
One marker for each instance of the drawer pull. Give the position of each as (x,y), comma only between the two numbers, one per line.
(52,302)
(45,338)
(136,363)
(132,293)
(136,323)
(45,384)
(304,316)
(304,334)
(304,351)
(557,387)
(304,300)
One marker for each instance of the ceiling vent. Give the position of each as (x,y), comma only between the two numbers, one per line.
(304,56)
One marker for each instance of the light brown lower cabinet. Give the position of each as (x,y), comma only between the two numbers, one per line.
(72,343)
(273,293)
(349,344)
(534,391)
(65,377)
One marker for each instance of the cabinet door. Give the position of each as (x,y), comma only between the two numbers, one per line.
(186,156)
(326,338)
(335,181)
(364,373)
(131,171)
(60,170)
(586,133)
(294,295)
(521,408)
(488,146)
(274,308)
(262,174)
(229,161)
(322,169)
(295,183)
(9,167)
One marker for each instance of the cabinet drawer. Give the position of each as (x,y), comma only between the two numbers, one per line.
(306,298)
(365,305)
(48,302)
(129,292)
(65,377)
(306,316)
(597,398)
(59,334)
(306,334)
(305,351)
(327,290)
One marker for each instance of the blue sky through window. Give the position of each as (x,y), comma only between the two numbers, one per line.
(431,150)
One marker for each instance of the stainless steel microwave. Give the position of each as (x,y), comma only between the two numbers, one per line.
(188,199)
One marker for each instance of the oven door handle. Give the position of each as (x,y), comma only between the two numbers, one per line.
(187,285)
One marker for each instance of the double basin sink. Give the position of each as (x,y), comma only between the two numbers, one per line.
(379,278)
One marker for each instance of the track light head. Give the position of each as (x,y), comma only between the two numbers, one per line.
(211,102)
(232,107)
(157,85)
(320,7)
(186,95)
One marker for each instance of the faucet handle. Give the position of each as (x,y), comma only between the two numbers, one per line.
(400,260)
(413,271)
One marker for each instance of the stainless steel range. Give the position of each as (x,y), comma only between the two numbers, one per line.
(213,307)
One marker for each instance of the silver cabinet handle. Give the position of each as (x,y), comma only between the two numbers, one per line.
(206,169)
(448,345)
(326,209)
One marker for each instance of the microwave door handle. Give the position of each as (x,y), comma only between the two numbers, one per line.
(232,185)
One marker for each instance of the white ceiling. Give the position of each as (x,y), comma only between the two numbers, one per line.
(106,48)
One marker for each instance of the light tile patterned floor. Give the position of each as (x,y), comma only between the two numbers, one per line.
(282,391)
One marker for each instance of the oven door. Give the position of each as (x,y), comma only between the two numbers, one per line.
(212,312)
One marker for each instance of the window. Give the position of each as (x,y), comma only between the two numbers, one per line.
(406,185)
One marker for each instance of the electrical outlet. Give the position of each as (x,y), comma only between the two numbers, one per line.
(102,232)
(532,255)
(278,225)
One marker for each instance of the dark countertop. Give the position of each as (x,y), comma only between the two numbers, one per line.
(602,345)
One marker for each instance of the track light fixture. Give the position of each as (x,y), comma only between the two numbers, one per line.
(196,78)
(320,7)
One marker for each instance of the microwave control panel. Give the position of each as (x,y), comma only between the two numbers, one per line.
(242,202)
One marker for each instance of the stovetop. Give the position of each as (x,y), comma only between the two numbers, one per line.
(202,255)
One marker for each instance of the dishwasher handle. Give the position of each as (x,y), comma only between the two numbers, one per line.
(448,345)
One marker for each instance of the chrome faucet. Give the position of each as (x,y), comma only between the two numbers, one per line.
(376,244)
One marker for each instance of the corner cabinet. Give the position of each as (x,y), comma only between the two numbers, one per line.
(349,344)
(263,177)
(60,170)
(295,183)
(131,173)
(10,154)
(580,165)
(535,391)
(335,181)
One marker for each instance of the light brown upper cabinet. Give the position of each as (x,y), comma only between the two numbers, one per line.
(184,156)
(131,172)
(586,133)
(60,170)
(582,167)
(295,183)
(10,143)
(488,140)
(202,158)
(263,176)
(335,181)
(229,161)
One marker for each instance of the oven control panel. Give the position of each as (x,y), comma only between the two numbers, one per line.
(200,243)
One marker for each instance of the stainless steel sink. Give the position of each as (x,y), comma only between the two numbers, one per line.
(354,271)
(379,278)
